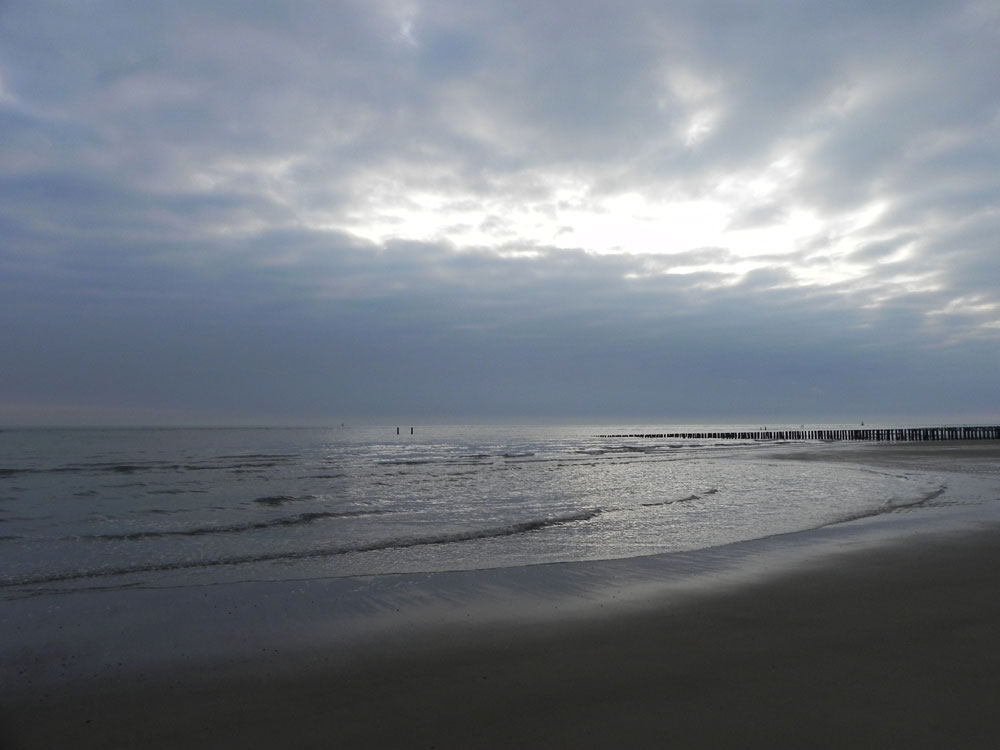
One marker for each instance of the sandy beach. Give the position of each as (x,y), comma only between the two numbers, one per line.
(889,646)
(871,645)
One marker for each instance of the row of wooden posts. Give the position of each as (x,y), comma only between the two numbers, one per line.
(880,434)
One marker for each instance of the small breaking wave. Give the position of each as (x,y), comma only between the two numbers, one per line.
(616,450)
(234,463)
(891,507)
(115,468)
(258,456)
(276,500)
(302,518)
(388,544)
(687,499)
(476,459)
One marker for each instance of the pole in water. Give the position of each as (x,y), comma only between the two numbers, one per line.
(397,430)
(411,430)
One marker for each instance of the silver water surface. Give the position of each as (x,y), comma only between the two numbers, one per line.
(110,508)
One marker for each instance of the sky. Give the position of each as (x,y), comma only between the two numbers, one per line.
(249,212)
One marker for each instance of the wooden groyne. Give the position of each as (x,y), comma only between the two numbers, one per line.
(884,434)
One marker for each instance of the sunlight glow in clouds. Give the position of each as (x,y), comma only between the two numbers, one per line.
(568,215)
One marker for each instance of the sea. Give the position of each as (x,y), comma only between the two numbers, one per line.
(93,510)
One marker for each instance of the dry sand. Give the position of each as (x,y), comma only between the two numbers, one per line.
(893,646)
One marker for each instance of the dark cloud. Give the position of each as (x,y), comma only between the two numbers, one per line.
(196,201)
(440,333)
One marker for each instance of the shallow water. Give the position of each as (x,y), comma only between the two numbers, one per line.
(114,508)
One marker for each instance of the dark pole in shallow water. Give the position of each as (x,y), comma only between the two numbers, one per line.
(411,430)
(397,430)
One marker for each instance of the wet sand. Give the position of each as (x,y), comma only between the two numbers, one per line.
(896,645)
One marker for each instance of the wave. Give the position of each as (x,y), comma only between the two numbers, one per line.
(276,500)
(619,449)
(302,518)
(468,459)
(891,507)
(476,460)
(244,463)
(112,468)
(306,554)
(271,456)
(9,472)
(687,499)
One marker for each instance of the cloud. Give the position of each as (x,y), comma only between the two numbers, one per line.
(367,208)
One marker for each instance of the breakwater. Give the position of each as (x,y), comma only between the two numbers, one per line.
(884,434)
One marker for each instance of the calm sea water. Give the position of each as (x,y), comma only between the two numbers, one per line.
(116,508)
